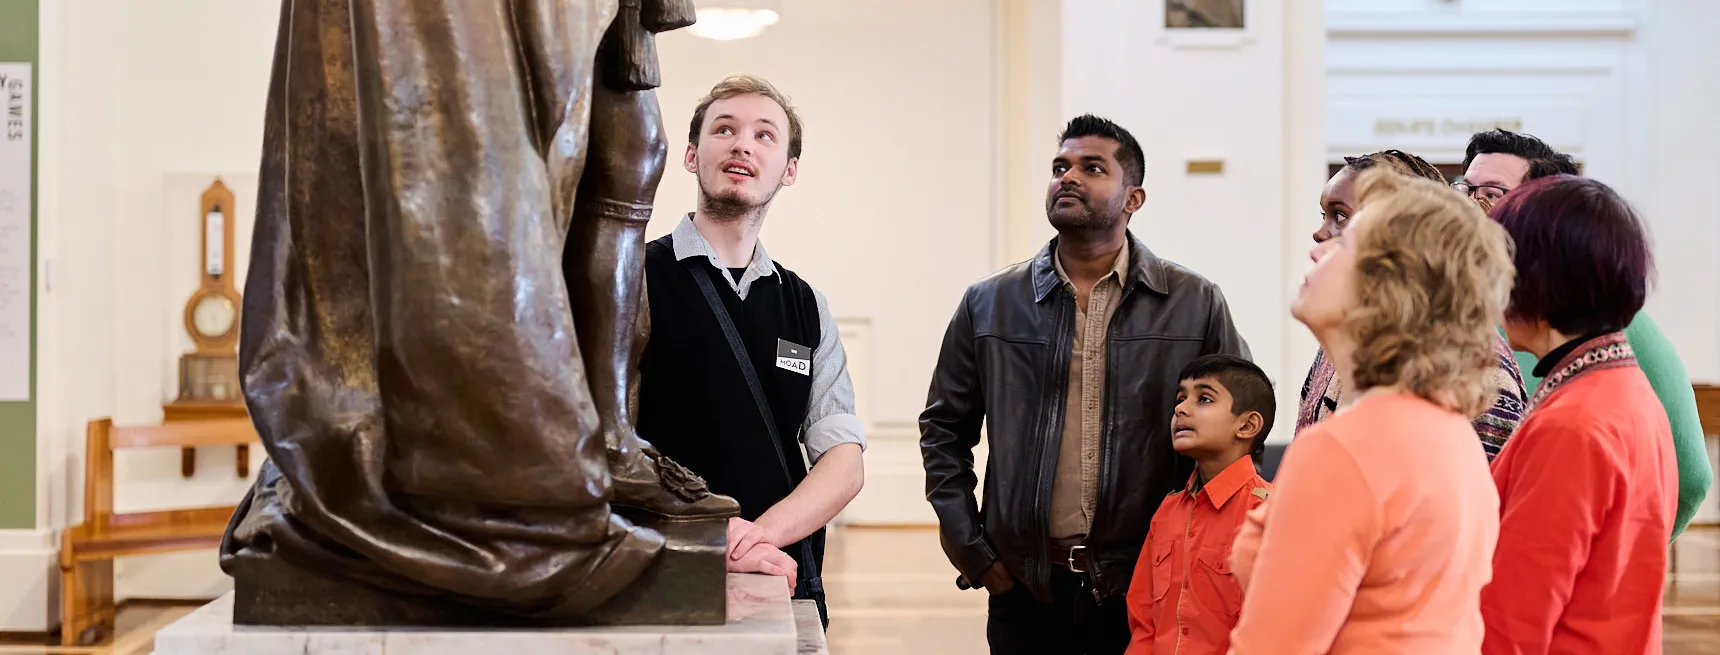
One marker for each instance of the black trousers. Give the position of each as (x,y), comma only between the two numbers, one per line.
(1073,622)
(808,555)
(814,590)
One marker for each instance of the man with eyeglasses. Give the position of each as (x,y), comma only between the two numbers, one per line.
(1498,161)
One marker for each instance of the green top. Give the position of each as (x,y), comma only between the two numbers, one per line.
(1659,361)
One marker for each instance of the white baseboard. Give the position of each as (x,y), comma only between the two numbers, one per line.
(191,575)
(30,582)
(29,590)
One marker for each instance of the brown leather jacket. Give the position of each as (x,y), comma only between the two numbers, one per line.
(1005,363)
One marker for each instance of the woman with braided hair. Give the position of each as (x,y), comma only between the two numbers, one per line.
(1338,199)
(1323,391)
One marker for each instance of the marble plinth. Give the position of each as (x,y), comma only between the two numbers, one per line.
(761,621)
(810,628)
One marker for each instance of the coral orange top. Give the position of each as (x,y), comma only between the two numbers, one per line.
(1378,537)
(1183,599)
(1589,490)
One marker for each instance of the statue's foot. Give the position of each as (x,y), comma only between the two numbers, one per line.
(646,480)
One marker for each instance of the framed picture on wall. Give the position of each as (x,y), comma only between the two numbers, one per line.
(1205,14)
(1203,23)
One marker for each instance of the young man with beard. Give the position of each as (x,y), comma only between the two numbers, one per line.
(1497,162)
(744,369)
(1070,360)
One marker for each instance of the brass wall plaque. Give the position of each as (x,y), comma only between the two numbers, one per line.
(1205,166)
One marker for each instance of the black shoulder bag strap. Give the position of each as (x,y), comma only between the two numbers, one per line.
(812,582)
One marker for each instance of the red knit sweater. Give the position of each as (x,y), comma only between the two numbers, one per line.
(1588,488)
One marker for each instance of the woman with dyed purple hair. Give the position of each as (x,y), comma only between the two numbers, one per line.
(1588,485)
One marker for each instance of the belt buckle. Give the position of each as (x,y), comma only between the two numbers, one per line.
(1071,563)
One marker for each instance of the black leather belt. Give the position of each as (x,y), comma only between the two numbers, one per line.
(1073,557)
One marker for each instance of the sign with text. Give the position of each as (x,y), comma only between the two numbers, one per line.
(15,185)
(1428,126)
(1356,125)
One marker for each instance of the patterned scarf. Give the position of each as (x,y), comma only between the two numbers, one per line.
(1597,354)
(1322,392)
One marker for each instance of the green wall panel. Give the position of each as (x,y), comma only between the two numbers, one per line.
(19,43)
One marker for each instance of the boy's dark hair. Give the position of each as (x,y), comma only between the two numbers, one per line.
(1543,159)
(1129,153)
(1250,390)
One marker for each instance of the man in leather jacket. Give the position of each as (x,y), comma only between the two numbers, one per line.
(1070,361)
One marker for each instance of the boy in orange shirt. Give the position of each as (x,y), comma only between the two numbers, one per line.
(1183,598)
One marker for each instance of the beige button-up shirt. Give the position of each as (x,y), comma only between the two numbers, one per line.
(1075,490)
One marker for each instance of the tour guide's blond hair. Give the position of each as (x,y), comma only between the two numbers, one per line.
(1434,275)
(740,85)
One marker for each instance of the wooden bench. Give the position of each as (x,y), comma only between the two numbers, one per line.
(87,550)
(1708,407)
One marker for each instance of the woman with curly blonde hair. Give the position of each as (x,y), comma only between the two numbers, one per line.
(1379,536)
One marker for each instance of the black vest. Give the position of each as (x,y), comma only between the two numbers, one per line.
(694,405)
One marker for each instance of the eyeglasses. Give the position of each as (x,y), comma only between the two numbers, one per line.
(1488,192)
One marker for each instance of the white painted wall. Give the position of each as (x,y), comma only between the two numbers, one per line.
(148,106)
(1032,105)
(1679,196)
(894,211)
(1677,192)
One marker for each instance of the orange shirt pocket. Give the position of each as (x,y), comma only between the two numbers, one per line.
(1214,583)
(1163,574)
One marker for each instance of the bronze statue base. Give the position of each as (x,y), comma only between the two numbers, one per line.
(686,585)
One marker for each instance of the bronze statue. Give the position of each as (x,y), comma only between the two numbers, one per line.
(441,323)
(604,262)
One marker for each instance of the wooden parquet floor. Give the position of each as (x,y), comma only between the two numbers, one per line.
(892,593)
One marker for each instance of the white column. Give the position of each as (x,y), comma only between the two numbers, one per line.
(1251,99)
(1305,175)
(77,172)
(1679,198)
(1682,203)
(1031,108)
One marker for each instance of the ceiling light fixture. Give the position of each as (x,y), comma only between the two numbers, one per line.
(729,20)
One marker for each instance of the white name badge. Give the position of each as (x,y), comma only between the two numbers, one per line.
(794,357)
